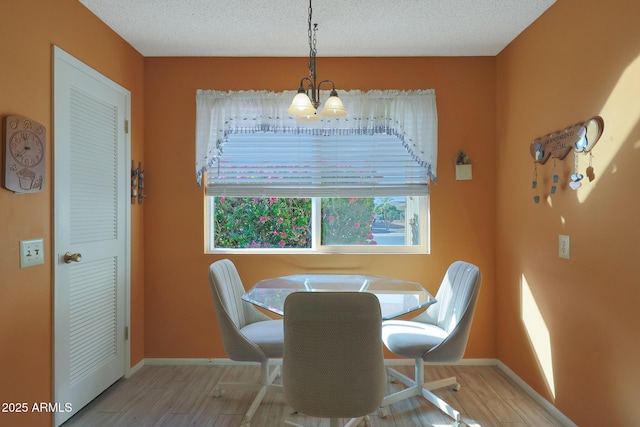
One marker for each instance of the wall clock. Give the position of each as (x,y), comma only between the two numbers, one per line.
(25,154)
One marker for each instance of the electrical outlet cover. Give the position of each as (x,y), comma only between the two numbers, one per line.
(564,246)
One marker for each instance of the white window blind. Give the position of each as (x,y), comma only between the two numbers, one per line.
(250,146)
(276,165)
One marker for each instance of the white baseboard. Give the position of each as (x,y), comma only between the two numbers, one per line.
(229,362)
(468,362)
(536,396)
(211,362)
(134,369)
(388,362)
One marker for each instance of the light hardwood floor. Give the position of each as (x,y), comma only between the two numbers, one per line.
(177,396)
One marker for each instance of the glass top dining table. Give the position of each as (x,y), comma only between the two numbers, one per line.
(396,296)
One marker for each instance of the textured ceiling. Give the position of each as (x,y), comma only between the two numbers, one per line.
(345,27)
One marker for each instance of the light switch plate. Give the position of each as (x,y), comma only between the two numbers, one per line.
(31,253)
(564,246)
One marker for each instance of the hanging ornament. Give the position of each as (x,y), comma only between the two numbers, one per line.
(590,174)
(575,176)
(582,142)
(534,183)
(555,178)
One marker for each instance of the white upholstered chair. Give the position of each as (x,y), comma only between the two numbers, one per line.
(439,334)
(333,363)
(247,334)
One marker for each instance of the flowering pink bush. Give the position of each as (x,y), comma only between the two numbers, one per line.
(247,222)
(241,222)
(347,221)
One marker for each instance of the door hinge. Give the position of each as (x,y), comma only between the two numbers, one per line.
(126,332)
(126,126)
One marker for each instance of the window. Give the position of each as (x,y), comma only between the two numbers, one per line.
(316,193)
(353,184)
(338,225)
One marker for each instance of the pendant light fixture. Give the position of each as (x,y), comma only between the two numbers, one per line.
(306,102)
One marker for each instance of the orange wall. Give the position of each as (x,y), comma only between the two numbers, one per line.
(179,316)
(580,59)
(28,29)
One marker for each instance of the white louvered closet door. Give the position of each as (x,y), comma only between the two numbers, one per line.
(90,207)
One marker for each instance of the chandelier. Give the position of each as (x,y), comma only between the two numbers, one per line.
(306,102)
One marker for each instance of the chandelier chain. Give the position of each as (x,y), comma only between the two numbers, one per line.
(310,12)
(312,44)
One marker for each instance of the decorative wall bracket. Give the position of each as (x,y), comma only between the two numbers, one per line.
(463,167)
(137,183)
(581,137)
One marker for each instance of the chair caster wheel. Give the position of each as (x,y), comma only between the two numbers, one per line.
(383,412)
(455,387)
(217,393)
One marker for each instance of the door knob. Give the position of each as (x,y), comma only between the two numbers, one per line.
(68,257)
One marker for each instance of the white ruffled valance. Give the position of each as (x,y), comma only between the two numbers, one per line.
(411,116)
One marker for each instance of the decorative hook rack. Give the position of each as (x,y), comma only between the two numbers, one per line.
(137,183)
(581,137)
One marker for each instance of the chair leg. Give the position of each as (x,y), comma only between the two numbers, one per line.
(265,385)
(416,387)
(221,385)
(353,422)
(335,422)
(434,385)
(357,422)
